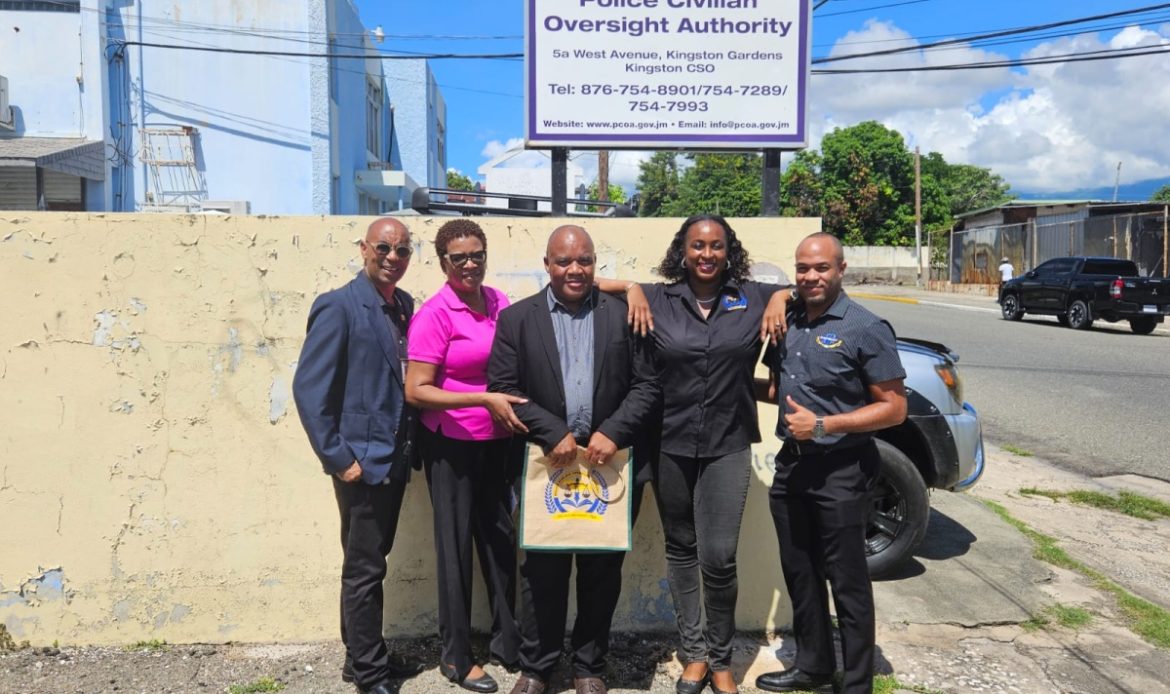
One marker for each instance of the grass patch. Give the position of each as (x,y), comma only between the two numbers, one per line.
(888,684)
(151,646)
(1016,450)
(9,644)
(1144,618)
(264,684)
(1128,503)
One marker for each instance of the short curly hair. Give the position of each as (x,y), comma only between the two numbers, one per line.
(460,228)
(739,265)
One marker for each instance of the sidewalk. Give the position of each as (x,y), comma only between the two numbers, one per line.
(956,620)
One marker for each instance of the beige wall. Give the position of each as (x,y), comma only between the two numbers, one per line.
(154,479)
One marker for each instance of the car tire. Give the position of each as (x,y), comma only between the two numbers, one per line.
(1079,315)
(898,515)
(1143,326)
(1010,307)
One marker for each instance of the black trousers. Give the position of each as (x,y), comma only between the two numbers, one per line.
(819,504)
(544,605)
(471,495)
(369,519)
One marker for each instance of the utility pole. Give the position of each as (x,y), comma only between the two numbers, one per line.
(1117,182)
(603,175)
(771,183)
(918,213)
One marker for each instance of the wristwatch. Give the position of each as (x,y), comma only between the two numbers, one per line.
(819,428)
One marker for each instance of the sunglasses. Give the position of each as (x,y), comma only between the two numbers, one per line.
(583,261)
(461,259)
(400,251)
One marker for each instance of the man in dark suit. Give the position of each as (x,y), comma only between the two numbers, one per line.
(568,350)
(349,394)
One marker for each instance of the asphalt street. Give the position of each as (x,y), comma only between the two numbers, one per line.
(1097,401)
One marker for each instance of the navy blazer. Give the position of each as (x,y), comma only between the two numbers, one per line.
(525,362)
(348,384)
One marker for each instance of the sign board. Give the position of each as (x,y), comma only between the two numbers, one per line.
(694,74)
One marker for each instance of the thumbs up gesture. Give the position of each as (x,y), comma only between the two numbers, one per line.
(800,420)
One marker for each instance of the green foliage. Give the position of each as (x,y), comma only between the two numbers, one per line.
(658,182)
(264,684)
(616,192)
(725,184)
(151,646)
(457,181)
(889,684)
(1016,450)
(1162,194)
(1128,503)
(9,644)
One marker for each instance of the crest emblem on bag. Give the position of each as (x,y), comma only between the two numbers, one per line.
(574,494)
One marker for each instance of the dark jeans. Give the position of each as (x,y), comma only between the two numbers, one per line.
(701,502)
(471,487)
(820,504)
(369,519)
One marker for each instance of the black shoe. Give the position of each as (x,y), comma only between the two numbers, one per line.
(484,684)
(398,668)
(513,666)
(385,687)
(684,686)
(795,680)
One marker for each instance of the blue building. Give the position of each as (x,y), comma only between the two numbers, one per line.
(229,105)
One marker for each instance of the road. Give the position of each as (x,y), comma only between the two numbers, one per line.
(1096,402)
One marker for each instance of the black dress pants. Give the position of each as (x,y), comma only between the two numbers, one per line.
(819,504)
(471,491)
(369,519)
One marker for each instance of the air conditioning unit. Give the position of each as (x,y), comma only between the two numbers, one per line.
(7,120)
(226,206)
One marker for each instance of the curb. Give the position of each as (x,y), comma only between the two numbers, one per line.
(885,297)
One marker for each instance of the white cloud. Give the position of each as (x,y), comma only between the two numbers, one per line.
(1044,128)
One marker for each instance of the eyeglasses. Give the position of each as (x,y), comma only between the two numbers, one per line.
(400,251)
(583,261)
(461,259)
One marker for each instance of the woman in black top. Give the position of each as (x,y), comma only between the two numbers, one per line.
(708,335)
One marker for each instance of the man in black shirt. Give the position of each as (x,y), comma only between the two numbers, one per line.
(838,379)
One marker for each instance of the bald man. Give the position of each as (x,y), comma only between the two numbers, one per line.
(838,379)
(349,393)
(588,382)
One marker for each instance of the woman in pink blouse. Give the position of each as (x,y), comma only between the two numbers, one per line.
(465,443)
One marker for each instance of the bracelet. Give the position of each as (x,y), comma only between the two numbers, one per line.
(628,287)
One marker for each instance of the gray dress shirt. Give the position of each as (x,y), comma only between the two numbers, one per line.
(574,335)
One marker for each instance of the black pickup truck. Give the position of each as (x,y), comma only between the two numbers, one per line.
(1082,289)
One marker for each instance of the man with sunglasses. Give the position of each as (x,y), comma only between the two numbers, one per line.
(586,381)
(349,393)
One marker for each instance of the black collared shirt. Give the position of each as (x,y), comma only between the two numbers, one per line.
(828,364)
(708,366)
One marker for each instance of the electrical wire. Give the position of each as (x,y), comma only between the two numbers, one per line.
(1087,56)
(300,54)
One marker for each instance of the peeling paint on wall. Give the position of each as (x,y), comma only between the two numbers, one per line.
(46,586)
(278,400)
(105,324)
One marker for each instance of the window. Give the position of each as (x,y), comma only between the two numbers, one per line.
(374,118)
(41,6)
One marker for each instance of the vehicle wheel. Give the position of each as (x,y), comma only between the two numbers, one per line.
(1062,318)
(899,511)
(1010,307)
(1143,326)
(1079,317)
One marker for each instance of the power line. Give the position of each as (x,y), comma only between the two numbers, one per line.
(996,34)
(869,9)
(301,54)
(1088,56)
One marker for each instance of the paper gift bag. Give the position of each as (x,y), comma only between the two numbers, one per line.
(577,508)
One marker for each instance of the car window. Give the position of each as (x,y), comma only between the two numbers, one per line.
(1124,268)
(1044,269)
(1062,266)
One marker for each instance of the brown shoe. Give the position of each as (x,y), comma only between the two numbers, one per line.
(589,685)
(527,684)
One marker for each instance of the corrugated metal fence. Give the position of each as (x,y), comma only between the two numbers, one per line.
(976,253)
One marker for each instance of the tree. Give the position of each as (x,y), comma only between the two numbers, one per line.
(802,191)
(657,184)
(617,194)
(971,188)
(1162,194)
(868,177)
(457,181)
(725,184)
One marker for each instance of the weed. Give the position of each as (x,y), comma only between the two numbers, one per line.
(888,684)
(1022,452)
(9,644)
(1070,617)
(1147,620)
(151,646)
(264,684)
(1035,624)
(1128,503)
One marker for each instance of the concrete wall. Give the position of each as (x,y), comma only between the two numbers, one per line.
(155,482)
(419,116)
(881,264)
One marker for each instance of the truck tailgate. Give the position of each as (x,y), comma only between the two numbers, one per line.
(1147,294)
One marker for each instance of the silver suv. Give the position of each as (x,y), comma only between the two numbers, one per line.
(939,446)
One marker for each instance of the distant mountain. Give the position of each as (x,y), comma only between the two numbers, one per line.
(1129,192)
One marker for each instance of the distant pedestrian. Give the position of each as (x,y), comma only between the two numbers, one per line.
(1006,271)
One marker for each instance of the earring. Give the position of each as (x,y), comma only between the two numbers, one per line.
(728,266)
(683,263)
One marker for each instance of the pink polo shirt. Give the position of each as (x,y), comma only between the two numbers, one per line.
(447,333)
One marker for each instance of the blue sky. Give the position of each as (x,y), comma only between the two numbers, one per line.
(1044,128)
